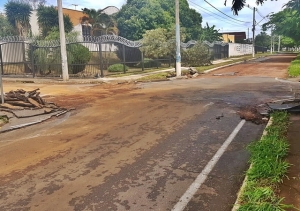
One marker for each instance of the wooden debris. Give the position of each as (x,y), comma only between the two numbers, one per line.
(27,100)
(6,105)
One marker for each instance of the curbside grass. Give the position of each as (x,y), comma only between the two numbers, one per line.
(268,167)
(294,68)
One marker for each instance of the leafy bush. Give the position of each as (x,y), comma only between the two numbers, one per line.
(148,63)
(48,60)
(78,57)
(294,68)
(117,68)
(196,56)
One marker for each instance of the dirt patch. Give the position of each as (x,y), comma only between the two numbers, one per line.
(252,114)
(274,66)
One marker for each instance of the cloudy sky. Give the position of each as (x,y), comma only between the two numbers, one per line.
(223,23)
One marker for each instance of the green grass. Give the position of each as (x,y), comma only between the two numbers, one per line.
(153,77)
(236,59)
(294,68)
(268,167)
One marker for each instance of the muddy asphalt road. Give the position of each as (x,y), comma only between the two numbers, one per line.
(138,146)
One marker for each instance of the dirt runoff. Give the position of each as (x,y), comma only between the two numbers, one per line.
(273,66)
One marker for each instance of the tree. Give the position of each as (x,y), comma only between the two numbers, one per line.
(238,5)
(102,23)
(6,29)
(263,39)
(286,23)
(210,34)
(160,42)
(18,14)
(48,18)
(138,16)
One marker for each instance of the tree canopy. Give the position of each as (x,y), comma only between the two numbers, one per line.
(102,23)
(6,29)
(18,14)
(286,23)
(263,39)
(48,18)
(210,34)
(138,16)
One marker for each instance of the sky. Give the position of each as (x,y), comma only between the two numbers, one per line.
(210,15)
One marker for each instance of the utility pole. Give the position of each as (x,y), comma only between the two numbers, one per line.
(271,43)
(248,35)
(278,43)
(253,35)
(63,50)
(178,55)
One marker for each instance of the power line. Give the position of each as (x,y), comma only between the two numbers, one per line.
(224,13)
(221,17)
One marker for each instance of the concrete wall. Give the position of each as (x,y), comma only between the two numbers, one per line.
(237,49)
(33,20)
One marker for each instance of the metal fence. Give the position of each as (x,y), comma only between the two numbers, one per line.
(87,57)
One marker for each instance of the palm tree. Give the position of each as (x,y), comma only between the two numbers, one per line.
(102,24)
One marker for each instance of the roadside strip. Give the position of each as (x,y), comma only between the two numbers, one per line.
(195,186)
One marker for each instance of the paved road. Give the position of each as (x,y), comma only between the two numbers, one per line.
(135,147)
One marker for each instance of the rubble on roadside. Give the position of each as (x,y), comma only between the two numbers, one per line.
(24,108)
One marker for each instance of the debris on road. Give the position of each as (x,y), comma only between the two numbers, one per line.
(21,99)
(27,108)
(290,105)
(252,114)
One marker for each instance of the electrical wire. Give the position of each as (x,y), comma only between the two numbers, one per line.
(221,17)
(224,13)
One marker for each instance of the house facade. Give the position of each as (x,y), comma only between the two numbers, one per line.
(77,17)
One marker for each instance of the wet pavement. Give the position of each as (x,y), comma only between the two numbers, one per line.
(135,147)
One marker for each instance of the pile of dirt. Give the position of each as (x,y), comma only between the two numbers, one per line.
(253,115)
(21,99)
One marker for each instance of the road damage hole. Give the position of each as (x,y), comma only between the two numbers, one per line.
(252,114)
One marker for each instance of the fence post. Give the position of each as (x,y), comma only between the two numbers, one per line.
(124,60)
(143,68)
(32,60)
(1,72)
(101,61)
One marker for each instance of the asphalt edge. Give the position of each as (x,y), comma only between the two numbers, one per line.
(237,204)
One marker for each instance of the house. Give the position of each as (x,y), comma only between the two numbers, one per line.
(76,16)
(233,37)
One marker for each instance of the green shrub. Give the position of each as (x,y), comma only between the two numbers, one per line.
(148,63)
(78,57)
(196,56)
(117,68)
(48,60)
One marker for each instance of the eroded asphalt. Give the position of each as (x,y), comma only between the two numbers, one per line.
(136,146)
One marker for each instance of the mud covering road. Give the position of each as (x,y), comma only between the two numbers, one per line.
(136,146)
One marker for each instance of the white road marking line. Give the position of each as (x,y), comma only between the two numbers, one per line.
(194,187)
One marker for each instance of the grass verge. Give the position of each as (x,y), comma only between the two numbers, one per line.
(294,68)
(153,77)
(268,167)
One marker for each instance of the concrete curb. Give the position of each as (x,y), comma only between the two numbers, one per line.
(237,204)
(228,65)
